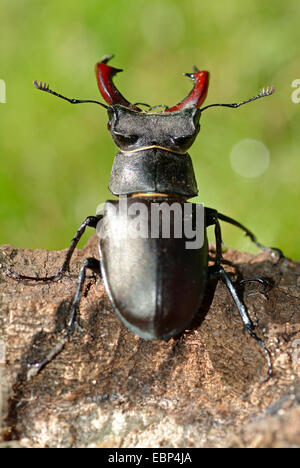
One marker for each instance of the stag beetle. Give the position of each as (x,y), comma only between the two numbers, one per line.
(155,283)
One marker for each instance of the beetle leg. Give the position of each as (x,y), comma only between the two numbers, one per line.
(211,218)
(218,272)
(90,221)
(250,234)
(94,265)
(34,369)
(257,279)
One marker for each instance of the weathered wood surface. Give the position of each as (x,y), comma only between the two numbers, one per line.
(109,388)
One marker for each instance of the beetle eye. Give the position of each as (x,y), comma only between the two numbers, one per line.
(126,140)
(182,140)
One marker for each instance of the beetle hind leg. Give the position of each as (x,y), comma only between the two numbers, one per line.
(257,279)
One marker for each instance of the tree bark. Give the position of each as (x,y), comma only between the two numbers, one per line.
(109,388)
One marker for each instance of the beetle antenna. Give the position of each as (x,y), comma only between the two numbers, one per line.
(45,87)
(264,92)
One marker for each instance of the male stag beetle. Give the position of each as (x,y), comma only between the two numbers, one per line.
(155,282)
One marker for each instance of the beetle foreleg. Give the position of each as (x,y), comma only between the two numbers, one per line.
(90,221)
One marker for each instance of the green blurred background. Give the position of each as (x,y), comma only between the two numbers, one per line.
(56,158)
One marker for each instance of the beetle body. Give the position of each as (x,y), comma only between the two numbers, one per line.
(155,284)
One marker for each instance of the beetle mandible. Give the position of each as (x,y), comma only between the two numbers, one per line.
(155,284)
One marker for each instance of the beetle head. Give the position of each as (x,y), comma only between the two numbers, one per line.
(132,131)
(174,129)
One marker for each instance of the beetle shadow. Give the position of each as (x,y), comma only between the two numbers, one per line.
(165,369)
(209,294)
(205,305)
(41,343)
